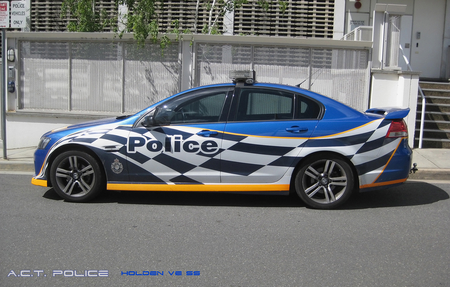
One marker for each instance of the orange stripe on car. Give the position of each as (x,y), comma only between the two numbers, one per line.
(198,187)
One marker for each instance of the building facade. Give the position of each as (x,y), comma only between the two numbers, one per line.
(426,43)
(83,76)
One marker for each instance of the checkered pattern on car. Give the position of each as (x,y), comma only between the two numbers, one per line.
(238,156)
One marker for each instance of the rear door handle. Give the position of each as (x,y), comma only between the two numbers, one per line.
(296,129)
(206,133)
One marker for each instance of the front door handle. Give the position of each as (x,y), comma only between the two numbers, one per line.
(296,129)
(206,133)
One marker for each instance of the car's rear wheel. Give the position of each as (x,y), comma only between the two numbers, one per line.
(324,182)
(76,176)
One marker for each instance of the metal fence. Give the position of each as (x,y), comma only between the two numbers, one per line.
(341,74)
(96,76)
(361,33)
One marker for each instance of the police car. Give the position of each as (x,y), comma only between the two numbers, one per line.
(233,137)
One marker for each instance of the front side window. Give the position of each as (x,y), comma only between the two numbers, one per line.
(199,107)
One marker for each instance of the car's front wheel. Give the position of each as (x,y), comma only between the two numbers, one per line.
(76,176)
(324,182)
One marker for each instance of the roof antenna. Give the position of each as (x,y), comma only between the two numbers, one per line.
(298,85)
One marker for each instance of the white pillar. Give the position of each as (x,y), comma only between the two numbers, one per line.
(122,20)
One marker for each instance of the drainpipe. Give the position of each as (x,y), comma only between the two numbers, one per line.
(3,93)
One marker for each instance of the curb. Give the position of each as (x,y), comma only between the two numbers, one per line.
(6,165)
(431,174)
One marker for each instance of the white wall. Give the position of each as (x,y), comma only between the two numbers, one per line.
(25,130)
(339,19)
(431,53)
(426,52)
(396,89)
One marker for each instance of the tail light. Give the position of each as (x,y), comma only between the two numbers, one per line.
(398,129)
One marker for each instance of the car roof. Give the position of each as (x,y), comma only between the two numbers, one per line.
(333,109)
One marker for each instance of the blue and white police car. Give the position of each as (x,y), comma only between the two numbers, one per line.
(233,137)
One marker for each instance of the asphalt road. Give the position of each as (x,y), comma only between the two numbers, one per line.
(394,237)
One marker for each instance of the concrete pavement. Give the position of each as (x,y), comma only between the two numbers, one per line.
(18,160)
(432,164)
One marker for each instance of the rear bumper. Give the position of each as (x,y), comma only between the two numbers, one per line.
(400,164)
(396,170)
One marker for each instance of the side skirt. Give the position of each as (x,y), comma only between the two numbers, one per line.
(199,187)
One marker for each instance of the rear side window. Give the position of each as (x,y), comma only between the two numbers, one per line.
(260,105)
(306,108)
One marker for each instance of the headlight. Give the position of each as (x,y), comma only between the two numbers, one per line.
(43,142)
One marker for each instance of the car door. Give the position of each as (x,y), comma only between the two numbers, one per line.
(179,140)
(264,133)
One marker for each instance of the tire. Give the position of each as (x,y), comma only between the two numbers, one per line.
(76,176)
(324,182)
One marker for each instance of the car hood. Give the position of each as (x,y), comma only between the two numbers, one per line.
(83,126)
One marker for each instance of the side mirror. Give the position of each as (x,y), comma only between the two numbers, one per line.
(158,117)
(148,121)
(162,118)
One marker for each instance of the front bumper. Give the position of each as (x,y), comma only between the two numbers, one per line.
(39,182)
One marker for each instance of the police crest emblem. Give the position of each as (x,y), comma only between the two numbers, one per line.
(117,166)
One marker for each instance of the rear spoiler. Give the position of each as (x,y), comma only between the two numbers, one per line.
(390,113)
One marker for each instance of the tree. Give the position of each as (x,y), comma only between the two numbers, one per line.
(141,18)
(266,5)
(83,17)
